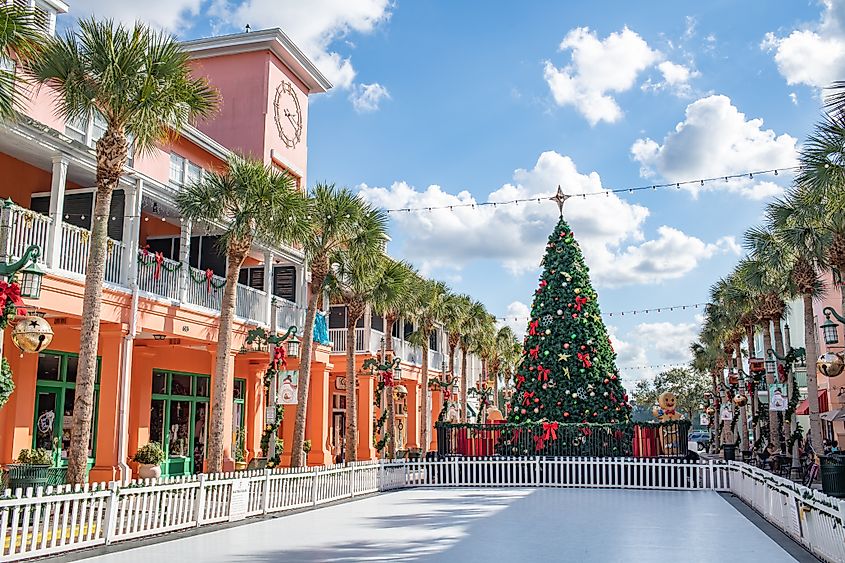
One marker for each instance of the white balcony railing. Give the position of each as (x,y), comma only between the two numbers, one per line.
(338,338)
(166,284)
(251,304)
(28,227)
(73,256)
(204,291)
(289,314)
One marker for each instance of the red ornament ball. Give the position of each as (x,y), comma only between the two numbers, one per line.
(606,381)
(583,347)
(566,345)
(565,414)
(523,411)
(536,400)
(613,377)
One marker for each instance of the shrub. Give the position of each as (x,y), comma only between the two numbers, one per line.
(306,446)
(38,456)
(150,454)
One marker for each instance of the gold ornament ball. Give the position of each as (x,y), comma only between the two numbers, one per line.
(831,364)
(740,400)
(711,411)
(32,334)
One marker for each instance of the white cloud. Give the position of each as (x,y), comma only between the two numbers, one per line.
(174,15)
(608,228)
(368,97)
(648,348)
(599,68)
(814,55)
(516,317)
(715,139)
(793,97)
(315,25)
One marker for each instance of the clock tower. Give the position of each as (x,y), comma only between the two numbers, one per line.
(264,81)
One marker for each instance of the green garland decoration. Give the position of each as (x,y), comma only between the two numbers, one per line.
(203,280)
(7,384)
(164,266)
(10,311)
(269,430)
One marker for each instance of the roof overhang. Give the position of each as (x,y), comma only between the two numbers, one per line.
(273,39)
(59,6)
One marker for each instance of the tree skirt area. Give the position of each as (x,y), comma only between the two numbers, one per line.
(488,525)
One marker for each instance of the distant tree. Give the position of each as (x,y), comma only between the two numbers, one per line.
(688,386)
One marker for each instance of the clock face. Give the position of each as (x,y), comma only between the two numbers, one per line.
(288,114)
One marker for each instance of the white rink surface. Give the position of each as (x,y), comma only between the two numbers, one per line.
(484,525)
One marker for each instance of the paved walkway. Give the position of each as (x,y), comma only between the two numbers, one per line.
(487,525)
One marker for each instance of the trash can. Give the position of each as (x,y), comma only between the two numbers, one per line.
(833,475)
(729,452)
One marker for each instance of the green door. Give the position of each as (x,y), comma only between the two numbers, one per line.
(179,420)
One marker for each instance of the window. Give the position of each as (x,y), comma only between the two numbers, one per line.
(55,393)
(179,419)
(182,171)
(283,282)
(88,131)
(238,412)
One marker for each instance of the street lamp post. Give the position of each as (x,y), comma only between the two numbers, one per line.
(31,276)
(389,370)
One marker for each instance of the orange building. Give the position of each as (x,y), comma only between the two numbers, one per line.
(163,286)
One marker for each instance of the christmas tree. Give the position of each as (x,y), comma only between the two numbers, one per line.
(568,371)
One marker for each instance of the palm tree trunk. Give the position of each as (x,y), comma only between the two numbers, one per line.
(426,407)
(812,370)
(464,409)
(453,348)
(743,411)
(391,409)
(83,406)
(353,313)
(318,277)
(717,404)
(774,435)
(222,393)
(755,430)
(778,338)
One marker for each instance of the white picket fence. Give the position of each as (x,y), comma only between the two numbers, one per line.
(55,520)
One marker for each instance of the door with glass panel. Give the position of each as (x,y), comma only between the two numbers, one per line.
(179,420)
(55,394)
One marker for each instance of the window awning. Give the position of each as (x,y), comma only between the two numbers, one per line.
(804,406)
(832,416)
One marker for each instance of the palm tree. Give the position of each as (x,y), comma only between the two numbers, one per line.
(20,40)
(393,305)
(340,222)
(507,356)
(456,309)
(139,81)
(799,249)
(358,283)
(430,311)
(471,329)
(253,202)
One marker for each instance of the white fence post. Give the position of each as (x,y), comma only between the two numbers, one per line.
(112,505)
(314,487)
(352,482)
(199,504)
(265,494)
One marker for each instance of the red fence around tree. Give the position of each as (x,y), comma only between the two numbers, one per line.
(648,440)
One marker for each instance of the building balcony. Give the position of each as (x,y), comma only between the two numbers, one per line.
(172,281)
(370,342)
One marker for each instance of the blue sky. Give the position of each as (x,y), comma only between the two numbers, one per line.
(438,102)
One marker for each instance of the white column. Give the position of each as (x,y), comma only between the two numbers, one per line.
(131,230)
(184,258)
(268,284)
(301,290)
(57,207)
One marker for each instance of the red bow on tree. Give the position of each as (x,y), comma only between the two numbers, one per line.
(159,260)
(580,302)
(520,379)
(12,292)
(280,357)
(543,373)
(209,273)
(585,359)
(543,283)
(526,398)
(586,430)
(533,352)
(550,430)
(533,326)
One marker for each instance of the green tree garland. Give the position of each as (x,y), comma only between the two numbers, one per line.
(203,280)
(7,384)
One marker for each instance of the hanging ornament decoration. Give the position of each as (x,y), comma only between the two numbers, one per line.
(740,400)
(831,364)
(32,334)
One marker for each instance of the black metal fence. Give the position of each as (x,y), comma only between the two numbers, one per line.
(666,439)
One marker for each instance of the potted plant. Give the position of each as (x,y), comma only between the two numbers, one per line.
(306,446)
(240,451)
(31,469)
(149,458)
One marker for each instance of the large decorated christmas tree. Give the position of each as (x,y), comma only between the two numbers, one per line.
(568,372)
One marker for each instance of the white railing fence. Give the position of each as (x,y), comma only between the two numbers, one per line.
(289,314)
(44,522)
(251,304)
(203,292)
(167,284)
(73,256)
(338,338)
(809,517)
(27,227)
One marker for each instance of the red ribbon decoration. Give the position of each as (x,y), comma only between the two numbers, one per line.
(387,378)
(550,430)
(585,359)
(543,373)
(208,275)
(446,394)
(146,250)
(12,292)
(280,357)
(526,397)
(534,352)
(159,260)
(533,326)
(580,302)
(520,379)
(586,431)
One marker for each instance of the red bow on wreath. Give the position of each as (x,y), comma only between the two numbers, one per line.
(526,398)
(387,378)
(580,302)
(209,274)
(446,394)
(279,357)
(159,260)
(533,326)
(12,292)
(585,359)
(543,373)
